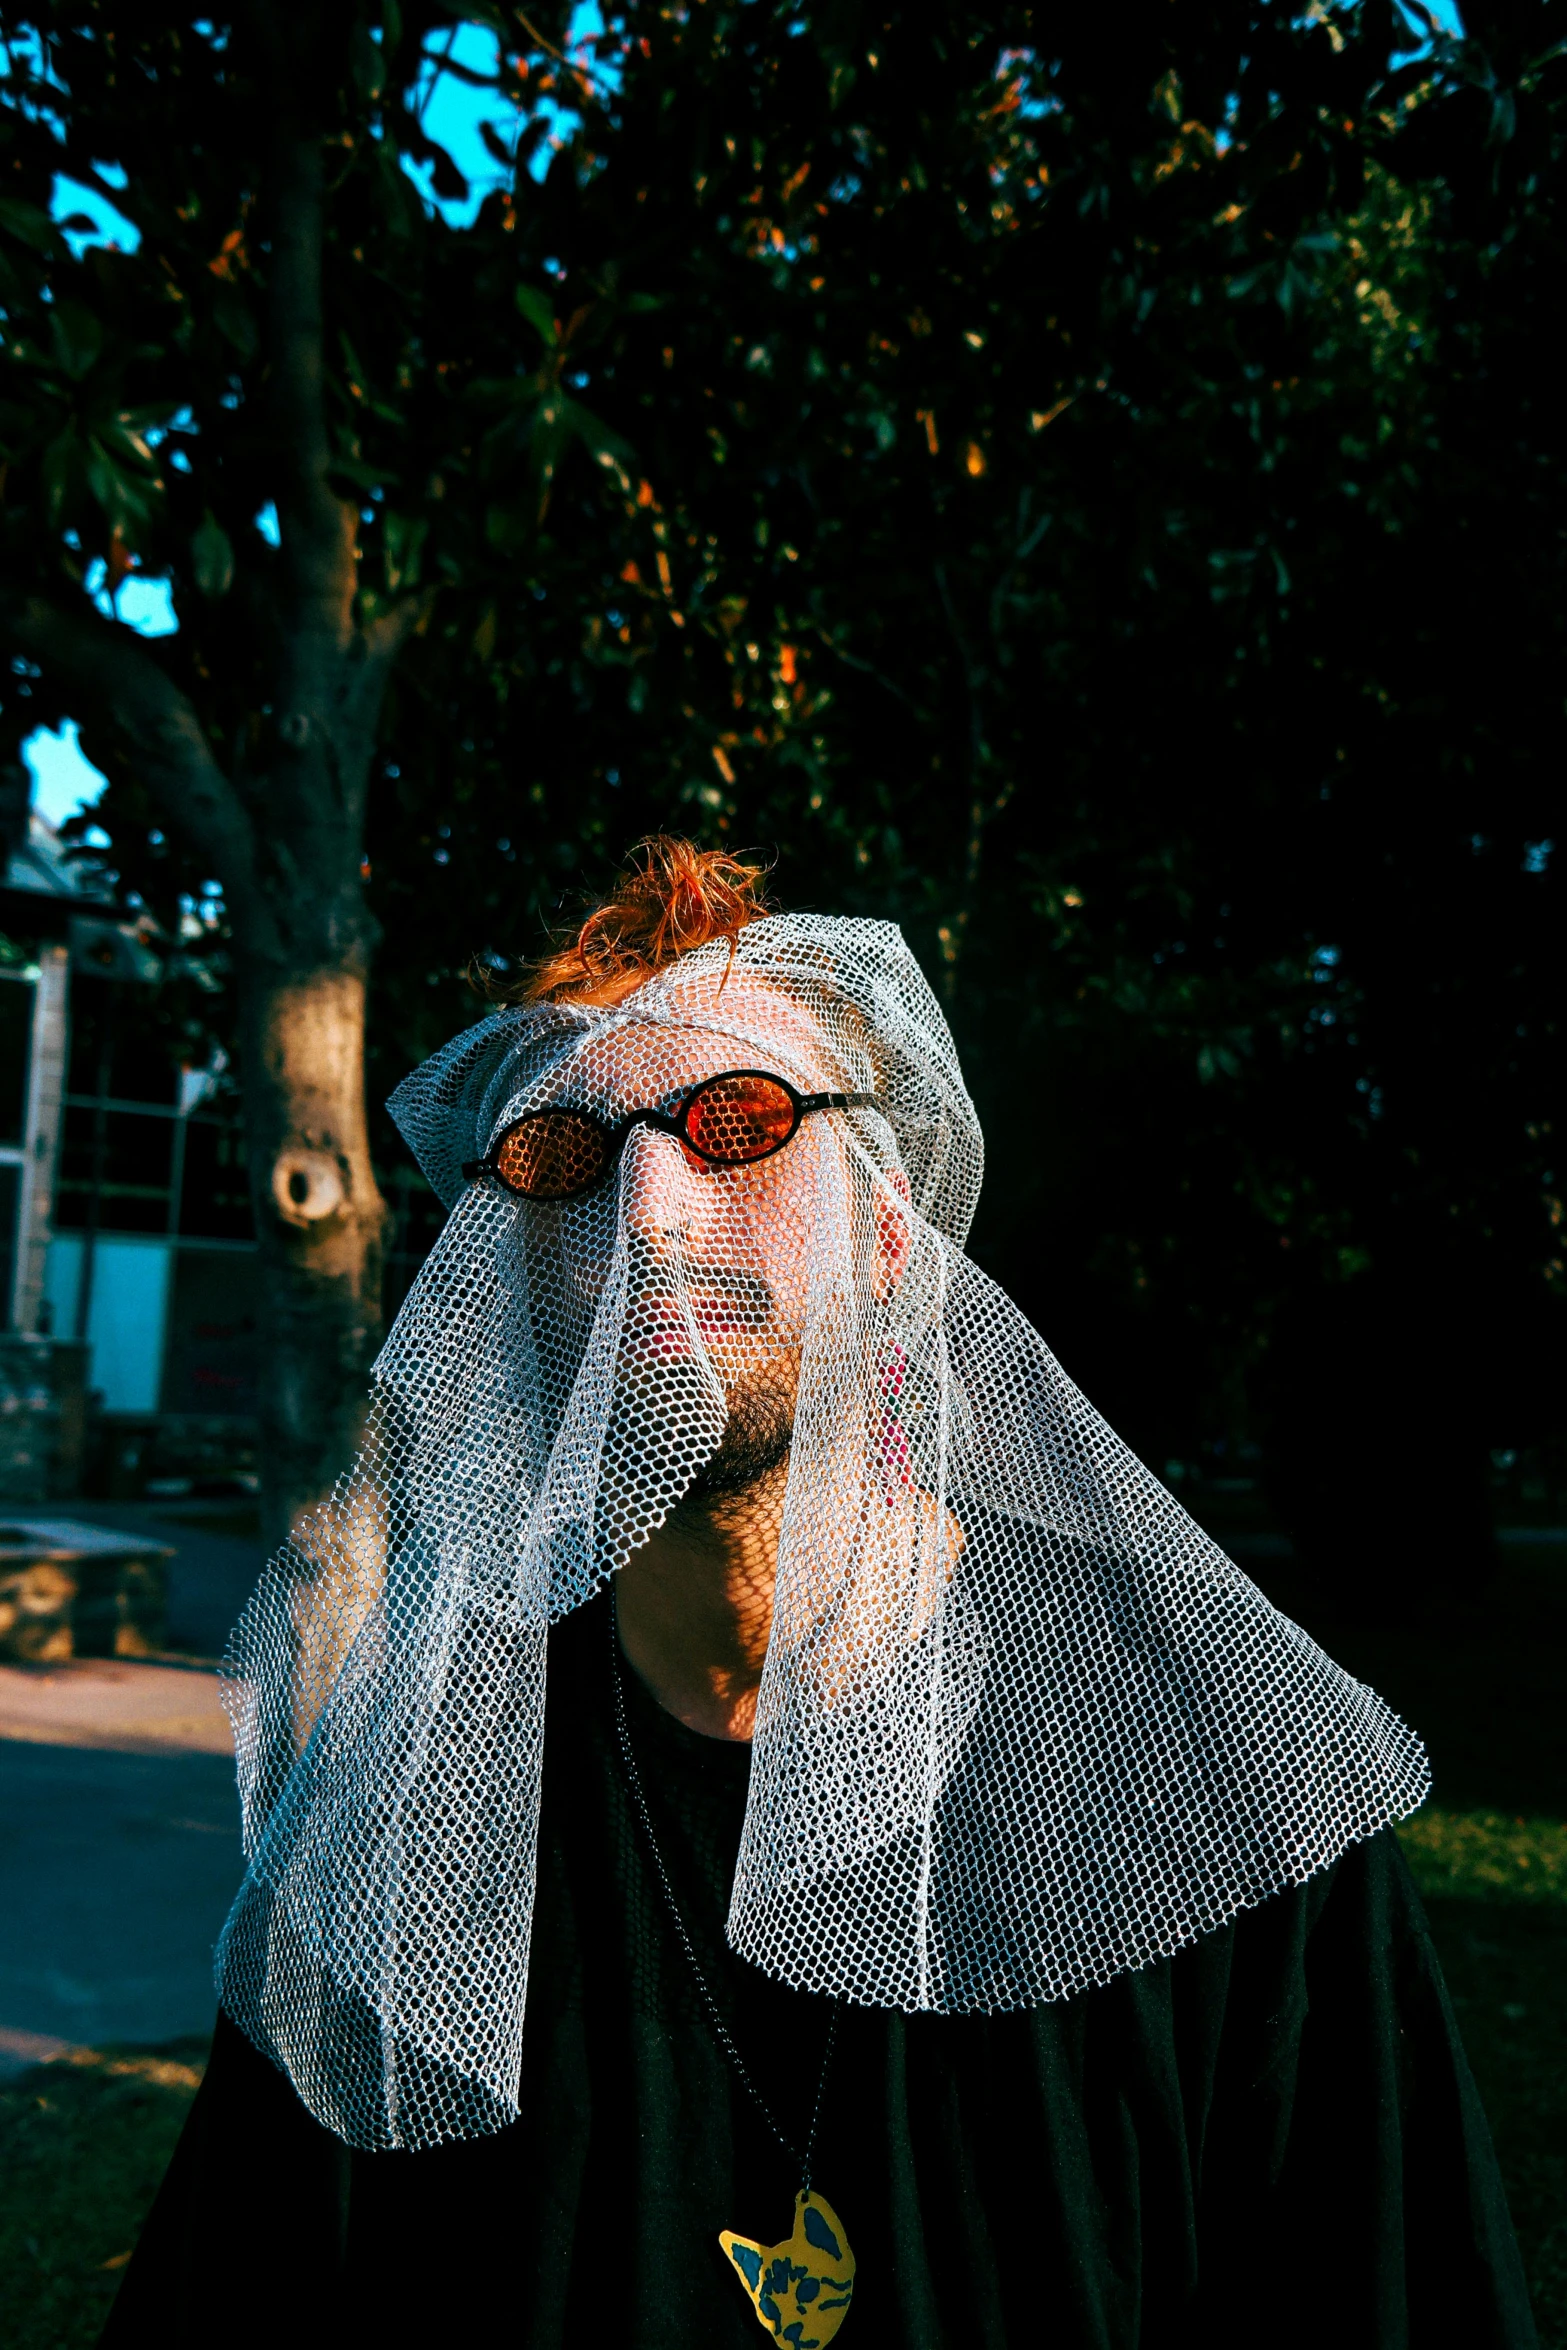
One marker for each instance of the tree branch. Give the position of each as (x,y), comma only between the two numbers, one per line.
(318,529)
(106,672)
(582,72)
(869,669)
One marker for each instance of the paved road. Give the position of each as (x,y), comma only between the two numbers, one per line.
(119,1854)
(119,1839)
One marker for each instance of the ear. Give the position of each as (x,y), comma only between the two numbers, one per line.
(893,1237)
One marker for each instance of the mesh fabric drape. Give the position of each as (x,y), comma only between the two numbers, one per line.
(1022,1725)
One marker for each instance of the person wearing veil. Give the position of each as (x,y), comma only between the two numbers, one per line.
(758,1807)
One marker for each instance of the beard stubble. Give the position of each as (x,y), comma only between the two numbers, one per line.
(756,1439)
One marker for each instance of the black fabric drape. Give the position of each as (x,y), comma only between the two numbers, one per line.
(1273,2135)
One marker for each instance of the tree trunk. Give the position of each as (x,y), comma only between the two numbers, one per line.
(286,844)
(320,1223)
(304,933)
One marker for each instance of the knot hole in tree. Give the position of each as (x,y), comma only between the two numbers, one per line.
(307,1185)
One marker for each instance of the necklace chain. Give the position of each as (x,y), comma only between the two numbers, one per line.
(714,2014)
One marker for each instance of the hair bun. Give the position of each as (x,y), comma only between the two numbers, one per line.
(671,898)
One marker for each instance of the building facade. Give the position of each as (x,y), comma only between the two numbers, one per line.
(125,1219)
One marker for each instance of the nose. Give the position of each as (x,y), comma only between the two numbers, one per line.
(655,1180)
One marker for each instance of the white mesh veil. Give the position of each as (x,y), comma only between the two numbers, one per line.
(1022,1725)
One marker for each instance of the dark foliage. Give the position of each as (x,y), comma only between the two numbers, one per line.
(1088,487)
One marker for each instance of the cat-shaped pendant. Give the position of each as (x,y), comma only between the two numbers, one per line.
(800,2289)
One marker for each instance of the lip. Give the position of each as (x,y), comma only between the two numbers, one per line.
(720,1317)
(667,1324)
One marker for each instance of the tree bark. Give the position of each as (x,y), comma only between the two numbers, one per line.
(319,1220)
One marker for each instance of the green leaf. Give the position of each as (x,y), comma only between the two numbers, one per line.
(356,374)
(33,227)
(76,336)
(496,391)
(539,311)
(127,505)
(235,321)
(595,435)
(211,557)
(123,441)
(506,529)
(403,537)
(361,476)
(64,472)
(840,83)
(551,434)
(367,63)
(130,498)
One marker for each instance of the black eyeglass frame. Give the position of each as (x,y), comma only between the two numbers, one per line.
(662,1122)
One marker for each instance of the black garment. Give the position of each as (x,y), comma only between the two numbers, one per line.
(1272,2136)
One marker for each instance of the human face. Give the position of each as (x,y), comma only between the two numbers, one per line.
(719,1257)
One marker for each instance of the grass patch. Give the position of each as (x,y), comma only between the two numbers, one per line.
(1485,1856)
(83,2145)
(1495,1888)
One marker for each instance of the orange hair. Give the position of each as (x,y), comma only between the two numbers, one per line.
(671,898)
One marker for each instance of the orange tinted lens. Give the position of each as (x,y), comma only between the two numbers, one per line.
(552,1156)
(739,1118)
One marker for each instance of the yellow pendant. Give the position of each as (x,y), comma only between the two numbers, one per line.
(800,2290)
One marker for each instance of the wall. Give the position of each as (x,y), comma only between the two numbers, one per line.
(127,1314)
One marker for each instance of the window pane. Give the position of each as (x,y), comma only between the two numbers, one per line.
(215,1195)
(134,1192)
(139,1067)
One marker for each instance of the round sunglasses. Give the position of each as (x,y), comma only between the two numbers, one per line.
(732,1120)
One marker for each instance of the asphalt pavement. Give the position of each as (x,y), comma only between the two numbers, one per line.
(119,1827)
